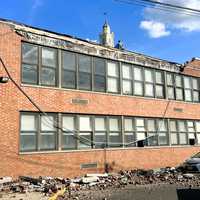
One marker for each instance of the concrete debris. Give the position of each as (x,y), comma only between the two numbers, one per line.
(65,188)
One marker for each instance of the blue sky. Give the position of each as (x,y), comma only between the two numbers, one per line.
(170,36)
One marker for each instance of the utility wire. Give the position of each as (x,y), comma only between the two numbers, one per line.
(160,7)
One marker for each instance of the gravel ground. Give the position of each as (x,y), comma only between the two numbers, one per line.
(144,192)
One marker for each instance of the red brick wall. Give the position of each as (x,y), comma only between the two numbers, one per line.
(58,100)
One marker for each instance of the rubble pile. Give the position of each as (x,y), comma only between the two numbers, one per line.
(65,188)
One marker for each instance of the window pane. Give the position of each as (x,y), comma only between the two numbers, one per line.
(112,69)
(47,141)
(68,141)
(100,124)
(48,76)
(29,73)
(30,53)
(138,74)
(179,94)
(151,125)
(195,83)
(148,75)
(162,125)
(84,81)
(85,140)
(99,83)
(68,79)
(138,88)
(68,123)
(129,138)
(47,123)
(187,82)
(183,138)
(170,79)
(152,139)
(182,126)
(174,138)
(141,136)
(27,142)
(115,140)
(84,124)
(84,63)
(149,91)
(112,85)
(170,91)
(100,140)
(178,81)
(159,91)
(198,138)
(172,125)
(126,71)
(159,77)
(188,95)
(190,126)
(48,57)
(69,61)
(163,139)
(128,124)
(196,96)
(127,87)
(139,122)
(198,126)
(113,124)
(99,66)
(28,123)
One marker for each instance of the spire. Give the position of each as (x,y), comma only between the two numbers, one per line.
(106,37)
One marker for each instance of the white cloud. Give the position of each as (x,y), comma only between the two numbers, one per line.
(36,4)
(174,19)
(155,29)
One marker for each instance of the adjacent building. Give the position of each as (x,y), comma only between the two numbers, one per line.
(82,107)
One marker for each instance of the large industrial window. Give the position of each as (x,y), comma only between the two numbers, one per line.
(28,135)
(138,81)
(187,88)
(48,67)
(149,80)
(140,129)
(162,132)
(29,64)
(159,84)
(112,77)
(170,86)
(48,133)
(129,132)
(115,139)
(84,72)
(58,68)
(38,132)
(85,132)
(100,136)
(69,133)
(99,75)
(152,136)
(127,79)
(68,70)
(179,87)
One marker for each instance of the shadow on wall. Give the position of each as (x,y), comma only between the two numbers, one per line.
(188,194)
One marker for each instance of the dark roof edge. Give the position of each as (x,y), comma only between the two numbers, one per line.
(77,38)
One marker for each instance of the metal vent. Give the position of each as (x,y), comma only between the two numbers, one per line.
(88,165)
(80,101)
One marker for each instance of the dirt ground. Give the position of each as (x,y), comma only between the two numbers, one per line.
(147,192)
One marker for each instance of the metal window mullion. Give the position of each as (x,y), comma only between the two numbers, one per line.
(59,68)
(120,84)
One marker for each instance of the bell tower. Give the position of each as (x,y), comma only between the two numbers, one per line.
(106,37)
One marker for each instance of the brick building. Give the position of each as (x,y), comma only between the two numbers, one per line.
(97,105)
